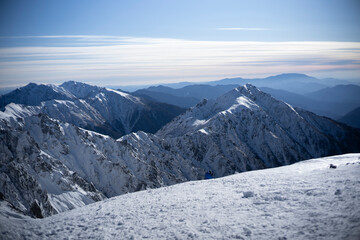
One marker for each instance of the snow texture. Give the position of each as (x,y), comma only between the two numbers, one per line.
(306,200)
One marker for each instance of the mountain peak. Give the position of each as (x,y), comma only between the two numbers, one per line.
(74,83)
(33,94)
(248,88)
(30,85)
(243,98)
(238,95)
(79,89)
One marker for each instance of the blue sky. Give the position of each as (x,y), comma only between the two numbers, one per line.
(145,42)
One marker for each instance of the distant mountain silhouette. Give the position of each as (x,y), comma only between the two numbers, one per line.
(199,91)
(293,82)
(352,118)
(334,109)
(185,102)
(346,93)
(183,97)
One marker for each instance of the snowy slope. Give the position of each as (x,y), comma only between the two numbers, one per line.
(33,181)
(306,200)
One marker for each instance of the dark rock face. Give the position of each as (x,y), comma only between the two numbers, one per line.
(35,210)
(2,197)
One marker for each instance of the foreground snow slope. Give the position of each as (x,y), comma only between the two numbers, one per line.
(306,200)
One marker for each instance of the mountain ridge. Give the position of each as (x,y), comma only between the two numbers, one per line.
(95,108)
(333,107)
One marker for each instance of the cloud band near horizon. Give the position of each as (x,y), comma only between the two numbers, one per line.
(111,60)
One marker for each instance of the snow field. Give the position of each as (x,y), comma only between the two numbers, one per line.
(306,200)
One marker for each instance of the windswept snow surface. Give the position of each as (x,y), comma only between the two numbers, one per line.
(306,200)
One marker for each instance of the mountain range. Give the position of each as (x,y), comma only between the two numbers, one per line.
(334,108)
(103,110)
(322,96)
(293,82)
(187,96)
(49,164)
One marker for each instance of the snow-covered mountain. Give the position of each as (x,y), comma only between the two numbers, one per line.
(33,181)
(306,200)
(50,166)
(56,166)
(104,110)
(33,94)
(247,129)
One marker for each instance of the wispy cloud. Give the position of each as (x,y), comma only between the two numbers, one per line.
(242,29)
(130,60)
